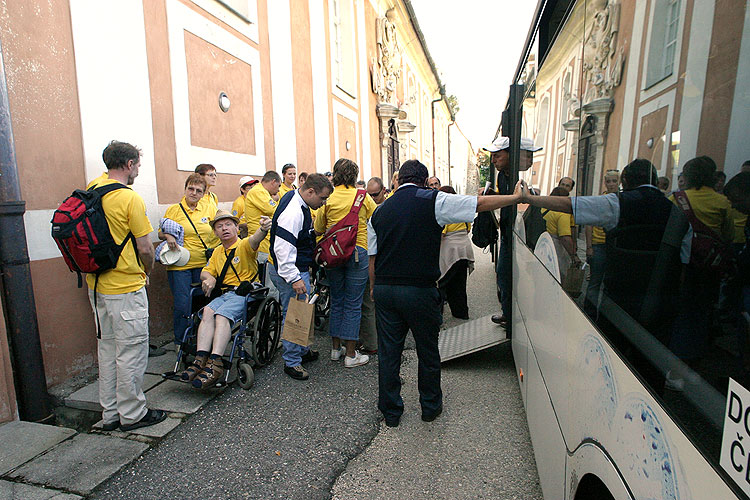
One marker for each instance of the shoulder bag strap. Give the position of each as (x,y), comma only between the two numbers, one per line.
(698,225)
(222,275)
(358,199)
(194,228)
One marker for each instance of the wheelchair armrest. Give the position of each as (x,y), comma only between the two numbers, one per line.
(195,285)
(258,292)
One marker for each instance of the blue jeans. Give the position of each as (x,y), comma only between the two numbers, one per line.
(179,283)
(503,270)
(292,352)
(597,263)
(347,288)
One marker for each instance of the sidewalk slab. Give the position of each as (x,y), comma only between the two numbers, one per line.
(20,491)
(87,398)
(25,440)
(161,364)
(156,431)
(173,396)
(80,464)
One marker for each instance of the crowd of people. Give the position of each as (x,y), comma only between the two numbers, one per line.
(401,271)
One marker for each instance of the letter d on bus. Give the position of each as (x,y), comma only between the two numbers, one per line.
(732,398)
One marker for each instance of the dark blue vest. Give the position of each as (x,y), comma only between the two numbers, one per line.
(408,238)
(304,240)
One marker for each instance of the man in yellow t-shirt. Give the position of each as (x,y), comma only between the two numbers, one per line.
(119,299)
(259,202)
(238,206)
(288,175)
(232,263)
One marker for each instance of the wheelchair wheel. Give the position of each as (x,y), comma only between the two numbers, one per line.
(266,331)
(322,307)
(245,375)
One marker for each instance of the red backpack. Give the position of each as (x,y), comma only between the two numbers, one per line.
(81,231)
(337,245)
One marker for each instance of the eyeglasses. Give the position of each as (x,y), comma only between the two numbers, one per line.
(210,174)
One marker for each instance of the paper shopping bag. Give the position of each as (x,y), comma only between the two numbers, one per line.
(299,325)
(573,280)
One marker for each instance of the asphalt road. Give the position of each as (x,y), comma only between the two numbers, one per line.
(323,438)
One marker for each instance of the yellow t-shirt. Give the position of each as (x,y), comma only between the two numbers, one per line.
(598,237)
(460,226)
(740,220)
(245,262)
(201,217)
(338,206)
(209,199)
(125,212)
(258,202)
(238,208)
(284,190)
(713,209)
(559,223)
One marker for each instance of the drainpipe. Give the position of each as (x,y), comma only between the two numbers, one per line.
(453,122)
(18,293)
(432,108)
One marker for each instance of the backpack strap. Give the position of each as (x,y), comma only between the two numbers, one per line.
(358,199)
(194,228)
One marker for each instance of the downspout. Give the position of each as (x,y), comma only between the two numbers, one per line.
(453,122)
(432,108)
(17,291)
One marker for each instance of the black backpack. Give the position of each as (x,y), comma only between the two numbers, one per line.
(484,230)
(534,224)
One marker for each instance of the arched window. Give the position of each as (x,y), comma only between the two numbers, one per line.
(541,131)
(564,105)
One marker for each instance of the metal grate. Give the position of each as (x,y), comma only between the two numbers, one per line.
(469,337)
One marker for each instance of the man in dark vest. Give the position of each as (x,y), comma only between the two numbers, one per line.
(645,238)
(404,268)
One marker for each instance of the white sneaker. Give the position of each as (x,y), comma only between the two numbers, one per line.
(359,359)
(337,353)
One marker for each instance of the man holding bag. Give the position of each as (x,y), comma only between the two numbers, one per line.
(292,247)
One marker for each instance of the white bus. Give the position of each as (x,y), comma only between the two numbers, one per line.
(626,385)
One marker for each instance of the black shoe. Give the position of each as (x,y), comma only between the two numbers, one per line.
(429,417)
(154,351)
(296,372)
(499,320)
(310,356)
(111,426)
(392,422)
(150,418)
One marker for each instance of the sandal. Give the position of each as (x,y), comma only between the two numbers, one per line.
(211,374)
(197,367)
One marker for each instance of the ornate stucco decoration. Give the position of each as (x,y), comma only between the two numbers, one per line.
(385,68)
(603,60)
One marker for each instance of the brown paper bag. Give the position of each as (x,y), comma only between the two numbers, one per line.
(299,325)
(573,280)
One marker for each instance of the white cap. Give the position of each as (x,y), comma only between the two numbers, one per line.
(178,257)
(247,178)
(504,143)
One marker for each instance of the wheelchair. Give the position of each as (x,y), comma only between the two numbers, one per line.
(258,331)
(321,286)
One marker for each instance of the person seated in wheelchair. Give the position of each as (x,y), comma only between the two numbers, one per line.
(232,267)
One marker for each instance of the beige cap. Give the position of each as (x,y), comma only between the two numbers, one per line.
(177,257)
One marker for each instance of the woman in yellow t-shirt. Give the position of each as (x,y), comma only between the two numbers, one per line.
(559,226)
(209,174)
(456,263)
(194,217)
(288,175)
(347,283)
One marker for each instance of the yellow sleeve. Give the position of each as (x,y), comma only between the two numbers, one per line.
(320,220)
(563,225)
(137,220)
(369,206)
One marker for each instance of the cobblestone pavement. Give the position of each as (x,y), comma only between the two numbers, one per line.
(322,438)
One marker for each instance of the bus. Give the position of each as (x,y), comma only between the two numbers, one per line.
(632,380)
